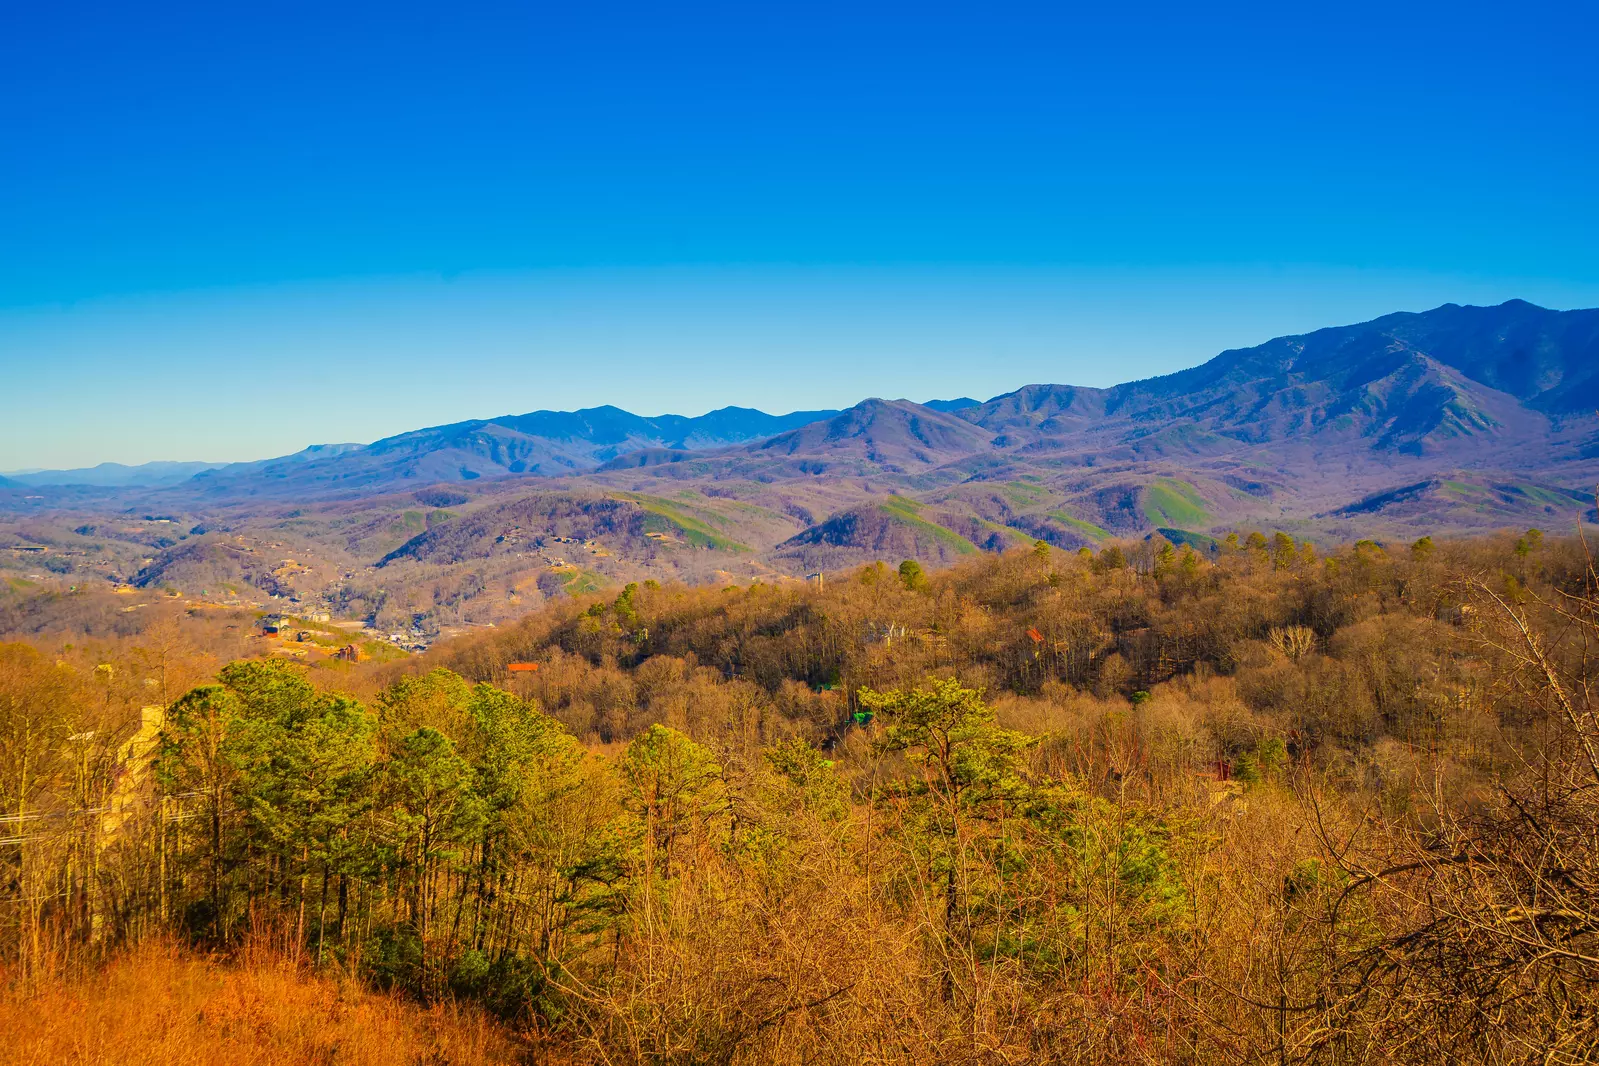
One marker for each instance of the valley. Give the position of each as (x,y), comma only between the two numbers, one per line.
(1460,419)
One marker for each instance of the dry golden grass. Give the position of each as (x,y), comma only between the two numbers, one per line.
(159,1005)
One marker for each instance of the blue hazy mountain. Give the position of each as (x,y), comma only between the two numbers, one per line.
(537,443)
(115,475)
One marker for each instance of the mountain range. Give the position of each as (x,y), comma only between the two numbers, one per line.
(112,475)
(539,443)
(1454,419)
(1512,386)
(1477,385)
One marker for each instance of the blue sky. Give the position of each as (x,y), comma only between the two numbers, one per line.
(226,234)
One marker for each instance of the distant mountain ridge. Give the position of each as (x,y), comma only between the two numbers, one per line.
(1488,404)
(958,404)
(1316,421)
(1405,381)
(115,475)
(538,443)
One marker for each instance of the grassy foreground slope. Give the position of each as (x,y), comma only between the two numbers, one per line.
(160,1005)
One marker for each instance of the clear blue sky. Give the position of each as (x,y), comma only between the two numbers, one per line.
(227,231)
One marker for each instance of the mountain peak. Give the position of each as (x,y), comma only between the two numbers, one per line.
(897,433)
(950,406)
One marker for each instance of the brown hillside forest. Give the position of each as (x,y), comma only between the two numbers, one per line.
(1144,805)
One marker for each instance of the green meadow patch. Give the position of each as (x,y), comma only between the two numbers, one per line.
(1023,495)
(1087,529)
(907,512)
(1173,503)
(674,517)
(582,582)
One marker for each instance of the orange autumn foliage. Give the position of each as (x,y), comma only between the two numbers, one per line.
(160,1004)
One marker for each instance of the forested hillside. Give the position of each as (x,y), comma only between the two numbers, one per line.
(1137,804)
